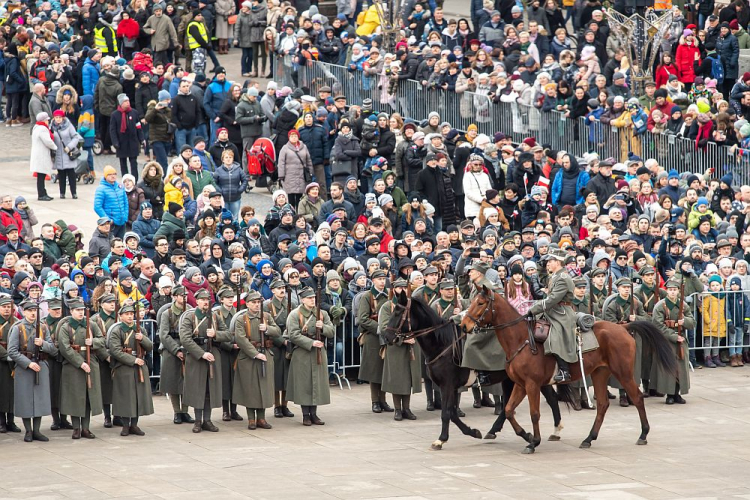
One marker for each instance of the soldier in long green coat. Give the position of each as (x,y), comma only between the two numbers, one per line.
(308,380)
(557,308)
(254,332)
(371,367)
(648,293)
(693,285)
(76,338)
(617,310)
(597,279)
(581,305)
(105,318)
(202,391)
(55,314)
(131,390)
(667,318)
(229,351)
(429,292)
(402,366)
(278,306)
(29,349)
(172,380)
(7,320)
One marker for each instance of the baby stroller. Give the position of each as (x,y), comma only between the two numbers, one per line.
(261,164)
(83,174)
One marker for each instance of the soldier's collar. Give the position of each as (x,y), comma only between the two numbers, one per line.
(620,300)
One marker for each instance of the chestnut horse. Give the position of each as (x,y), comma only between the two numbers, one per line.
(530,369)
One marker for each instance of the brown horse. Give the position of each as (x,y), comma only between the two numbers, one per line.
(530,369)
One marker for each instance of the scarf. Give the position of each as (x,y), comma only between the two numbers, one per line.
(123,119)
(44,124)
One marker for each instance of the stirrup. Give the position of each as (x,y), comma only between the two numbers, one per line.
(483,378)
(562,375)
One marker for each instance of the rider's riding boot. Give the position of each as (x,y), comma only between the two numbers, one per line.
(563,374)
(484,378)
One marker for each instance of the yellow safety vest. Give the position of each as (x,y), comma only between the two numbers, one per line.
(101,43)
(192,42)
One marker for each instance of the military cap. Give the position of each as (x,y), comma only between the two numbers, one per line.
(253,295)
(30,305)
(623,282)
(555,253)
(307,292)
(178,290)
(225,292)
(447,284)
(202,294)
(6,299)
(672,283)
(127,308)
(580,282)
(594,272)
(75,303)
(278,283)
(109,297)
(479,267)
(401,282)
(429,270)
(379,273)
(647,270)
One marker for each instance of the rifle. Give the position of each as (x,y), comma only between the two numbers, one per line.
(117,308)
(210,321)
(681,315)
(317,318)
(632,298)
(591,295)
(36,353)
(88,348)
(138,347)
(262,349)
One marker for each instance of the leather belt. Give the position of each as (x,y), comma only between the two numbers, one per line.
(564,303)
(670,323)
(257,345)
(200,340)
(127,350)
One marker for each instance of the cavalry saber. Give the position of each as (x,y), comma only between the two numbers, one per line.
(583,374)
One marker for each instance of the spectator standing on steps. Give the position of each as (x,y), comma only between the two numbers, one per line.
(105,101)
(127,135)
(163,34)
(42,144)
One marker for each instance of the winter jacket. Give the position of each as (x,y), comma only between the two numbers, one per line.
(250,117)
(144,94)
(231,181)
(90,76)
(344,155)
(111,200)
(37,105)
(582,181)
(684,59)
(99,244)
(128,143)
(729,50)
(216,93)
(170,224)
(243,29)
(146,230)
(164,35)
(40,161)
(475,187)
(291,164)
(314,138)
(65,137)
(186,111)
(135,198)
(158,120)
(153,189)
(258,22)
(105,94)
(604,187)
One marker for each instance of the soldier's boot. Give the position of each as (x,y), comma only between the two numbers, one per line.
(406,410)
(11,425)
(484,378)
(36,433)
(3,424)
(117,421)
(64,424)
(225,416)
(209,426)
(107,416)
(306,420)
(314,416)
(397,407)
(85,424)
(563,372)
(251,422)
(498,405)
(624,399)
(76,427)
(233,412)
(277,412)
(134,429)
(284,409)
(261,416)
(185,415)
(676,396)
(477,395)
(459,411)
(384,404)
(55,420)
(375,398)
(29,433)
(486,401)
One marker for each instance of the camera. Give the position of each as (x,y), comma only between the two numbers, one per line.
(475,253)
(672,231)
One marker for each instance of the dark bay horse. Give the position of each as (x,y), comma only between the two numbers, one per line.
(413,318)
(531,369)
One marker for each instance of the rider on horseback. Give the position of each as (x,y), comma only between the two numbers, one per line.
(557,308)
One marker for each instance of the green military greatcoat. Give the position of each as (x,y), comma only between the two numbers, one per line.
(557,309)
(30,399)
(665,313)
(402,375)
(277,309)
(105,322)
(308,380)
(55,363)
(130,397)
(617,310)
(71,337)
(171,380)
(251,388)
(228,353)
(6,366)
(371,367)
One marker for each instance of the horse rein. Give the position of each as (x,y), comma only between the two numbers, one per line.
(489,307)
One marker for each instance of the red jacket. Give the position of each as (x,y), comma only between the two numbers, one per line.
(384,242)
(662,74)
(8,217)
(664,108)
(128,28)
(684,59)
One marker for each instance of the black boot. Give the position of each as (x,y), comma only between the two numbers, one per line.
(477,395)
(55,421)
(438,400)
(486,402)
(563,374)
(430,403)
(483,378)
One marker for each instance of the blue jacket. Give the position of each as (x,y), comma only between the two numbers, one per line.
(231,183)
(738,305)
(215,95)
(90,76)
(15,82)
(206,160)
(146,229)
(314,138)
(111,200)
(583,179)
(105,263)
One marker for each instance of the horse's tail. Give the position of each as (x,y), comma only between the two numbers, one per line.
(566,395)
(655,340)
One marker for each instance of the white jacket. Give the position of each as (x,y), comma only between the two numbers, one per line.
(475,187)
(41,145)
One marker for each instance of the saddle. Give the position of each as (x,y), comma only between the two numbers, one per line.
(541,330)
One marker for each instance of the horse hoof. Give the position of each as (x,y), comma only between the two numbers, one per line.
(554,437)
(476,433)
(490,435)
(528,437)
(529,450)
(641,442)
(585,445)
(437,445)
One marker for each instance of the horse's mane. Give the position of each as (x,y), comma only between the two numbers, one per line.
(445,333)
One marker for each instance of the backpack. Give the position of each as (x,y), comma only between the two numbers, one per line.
(717,69)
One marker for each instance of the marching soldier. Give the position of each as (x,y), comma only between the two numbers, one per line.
(308,380)
(371,367)
(617,309)
(428,292)
(684,272)
(131,390)
(200,335)
(581,305)
(55,310)
(667,316)
(29,348)
(7,320)
(557,308)
(599,292)
(648,294)
(106,317)
(229,350)
(171,381)
(254,331)
(278,307)
(81,387)
(402,367)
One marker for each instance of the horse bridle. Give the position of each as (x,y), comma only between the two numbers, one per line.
(406,318)
(492,328)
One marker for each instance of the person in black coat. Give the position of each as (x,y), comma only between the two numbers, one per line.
(526,174)
(432,186)
(387,141)
(285,122)
(127,135)
(602,183)
(227,116)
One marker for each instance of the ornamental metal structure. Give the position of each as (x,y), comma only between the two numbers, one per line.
(640,35)
(389,15)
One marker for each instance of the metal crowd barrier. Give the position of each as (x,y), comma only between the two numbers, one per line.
(519,121)
(710,325)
